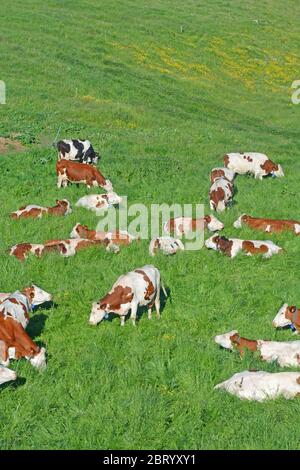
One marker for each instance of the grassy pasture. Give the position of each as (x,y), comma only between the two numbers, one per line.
(163,90)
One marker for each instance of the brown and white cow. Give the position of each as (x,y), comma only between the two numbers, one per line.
(267,225)
(232,246)
(140,287)
(220,194)
(99,202)
(22,250)
(257,164)
(168,245)
(288,316)
(73,172)
(285,353)
(71,246)
(221,172)
(118,237)
(183,225)
(62,207)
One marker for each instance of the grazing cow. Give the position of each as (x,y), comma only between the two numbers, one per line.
(16,343)
(119,237)
(18,305)
(138,287)
(183,225)
(260,385)
(232,246)
(221,173)
(220,194)
(168,245)
(285,353)
(267,225)
(72,172)
(22,250)
(288,316)
(62,207)
(98,202)
(257,164)
(77,150)
(6,375)
(71,246)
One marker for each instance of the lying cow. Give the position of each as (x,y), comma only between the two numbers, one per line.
(183,225)
(137,288)
(77,150)
(288,316)
(285,353)
(22,250)
(19,304)
(232,246)
(62,207)
(221,173)
(260,386)
(98,202)
(220,194)
(71,246)
(267,225)
(118,237)
(80,173)
(254,163)
(6,375)
(168,245)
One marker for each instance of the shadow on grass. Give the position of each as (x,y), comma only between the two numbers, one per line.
(14,384)
(36,325)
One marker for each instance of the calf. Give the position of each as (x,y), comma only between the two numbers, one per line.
(168,245)
(119,237)
(138,287)
(232,246)
(80,173)
(220,194)
(77,150)
(221,173)
(254,163)
(62,207)
(288,316)
(16,343)
(285,353)
(6,375)
(98,202)
(267,225)
(260,386)
(183,225)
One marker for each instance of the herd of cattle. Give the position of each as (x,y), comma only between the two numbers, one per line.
(76,163)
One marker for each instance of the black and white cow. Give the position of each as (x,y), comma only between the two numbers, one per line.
(77,150)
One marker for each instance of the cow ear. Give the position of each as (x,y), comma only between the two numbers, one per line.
(293,309)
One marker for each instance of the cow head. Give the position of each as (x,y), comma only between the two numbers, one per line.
(212,242)
(113,198)
(239,222)
(213,224)
(284,316)
(75,233)
(64,203)
(6,375)
(97,314)
(225,339)
(39,360)
(36,295)
(278,172)
(108,186)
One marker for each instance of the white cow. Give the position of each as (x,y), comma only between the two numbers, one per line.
(137,288)
(168,245)
(98,202)
(258,164)
(232,246)
(260,385)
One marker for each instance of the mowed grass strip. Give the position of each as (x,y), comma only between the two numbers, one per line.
(163,91)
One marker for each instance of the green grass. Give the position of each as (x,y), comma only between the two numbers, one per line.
(163,106)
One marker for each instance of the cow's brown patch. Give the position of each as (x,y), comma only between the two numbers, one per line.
(243,343)
(226,160)
(20,251)
(249,247)
(249,159)
(224,245)
(269,166)
(150,287)
(10,145)
(60,208)
(217,195)
(216,174)
(119,296)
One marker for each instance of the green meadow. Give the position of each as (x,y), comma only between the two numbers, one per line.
(163,89)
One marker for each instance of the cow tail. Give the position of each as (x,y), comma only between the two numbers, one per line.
(54,143)
(164,289)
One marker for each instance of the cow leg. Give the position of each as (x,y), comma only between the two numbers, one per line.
(133,313)
(157,303)
(122,320)
(150,312)
(4,356)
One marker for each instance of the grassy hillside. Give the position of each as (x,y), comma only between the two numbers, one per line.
(163,91)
